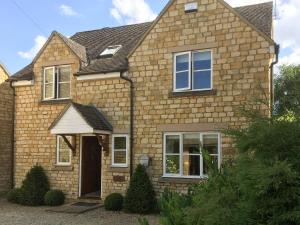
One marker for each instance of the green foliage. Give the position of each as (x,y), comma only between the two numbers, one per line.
(34,187)
(143,221)
(287,92)
(14,195)
(54,198)
(140,196)
(261,187)
(114,202)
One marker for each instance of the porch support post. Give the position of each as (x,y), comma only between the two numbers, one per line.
(71,145)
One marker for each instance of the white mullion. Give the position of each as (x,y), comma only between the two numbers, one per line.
(201,156)
(181,154)
(57,82)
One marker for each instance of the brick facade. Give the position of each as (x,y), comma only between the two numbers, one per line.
(6,128)
(241,59)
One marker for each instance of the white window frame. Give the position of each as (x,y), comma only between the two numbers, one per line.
(53,83)
(58,140)
(56,83)
(180,134)
(211,71)
(191,71)
(121,150)
(175,71)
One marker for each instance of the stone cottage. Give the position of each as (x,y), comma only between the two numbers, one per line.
(6,130)
(89,108)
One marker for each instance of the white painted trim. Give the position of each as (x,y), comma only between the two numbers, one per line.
(113,150)
(23,83)
(99,76)
(180,134)
(53,83)
(191,71)
(58,139)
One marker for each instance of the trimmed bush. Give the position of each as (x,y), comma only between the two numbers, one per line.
(34,187)
(14,195)
(140,196)
(114,202)
(54,198)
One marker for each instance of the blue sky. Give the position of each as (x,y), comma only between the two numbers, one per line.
(27,23)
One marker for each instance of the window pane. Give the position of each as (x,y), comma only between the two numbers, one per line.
(64,90)
(202,60)
(49,91)
(182,62)
(214,162)
(210,143)
(64,156)
(191,165)
(172,144)
(191,143)
(202,80)
(120,157)
(182,80)
(172,164)
(64,74)
(49,76)
(120,143)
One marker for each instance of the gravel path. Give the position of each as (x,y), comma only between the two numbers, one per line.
(11,214)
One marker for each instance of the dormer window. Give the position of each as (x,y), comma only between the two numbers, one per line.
(110,51)
(57,82)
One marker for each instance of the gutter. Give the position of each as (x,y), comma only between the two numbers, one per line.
(277,49)
(131,120)
(13,138)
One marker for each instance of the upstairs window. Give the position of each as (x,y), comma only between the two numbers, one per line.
(57,82)
(110,51)
(193,71)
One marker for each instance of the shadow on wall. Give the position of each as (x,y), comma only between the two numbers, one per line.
(6,131)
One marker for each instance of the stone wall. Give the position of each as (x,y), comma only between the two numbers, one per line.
(241,58)
(6,129)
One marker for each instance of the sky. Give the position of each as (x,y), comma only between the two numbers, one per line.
(26,24)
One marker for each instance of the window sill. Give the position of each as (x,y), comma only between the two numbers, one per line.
(115,169)
(62,168)
(192,93)
(55,101)
(179,180)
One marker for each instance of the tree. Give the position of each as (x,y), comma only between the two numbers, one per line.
(287,90)
(140,196)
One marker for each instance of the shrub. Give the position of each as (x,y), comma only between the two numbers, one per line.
(34,187)
(140,196)
(54,198)
(114,202)
(14,195)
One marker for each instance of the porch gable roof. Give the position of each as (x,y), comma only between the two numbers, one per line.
(80,119)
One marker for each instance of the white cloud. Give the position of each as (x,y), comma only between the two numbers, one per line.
(39,41)
(67,10)
(132,11)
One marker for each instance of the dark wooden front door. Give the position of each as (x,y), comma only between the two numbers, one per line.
(91,166)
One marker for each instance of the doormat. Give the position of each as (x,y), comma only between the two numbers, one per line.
(76,208)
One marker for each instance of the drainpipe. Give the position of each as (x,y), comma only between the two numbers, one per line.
(131,119)
(277,48)
(13,139)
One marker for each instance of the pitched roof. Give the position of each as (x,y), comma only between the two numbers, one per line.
(260,15)
(90,44)
(4,68)
(91,115)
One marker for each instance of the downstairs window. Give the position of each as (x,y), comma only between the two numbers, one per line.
(183,154)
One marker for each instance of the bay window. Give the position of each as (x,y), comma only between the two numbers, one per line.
(183,154)
(193,71)
(57,82)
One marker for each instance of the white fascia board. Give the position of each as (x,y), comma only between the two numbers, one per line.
(23,83)
(99,76)
(102,132)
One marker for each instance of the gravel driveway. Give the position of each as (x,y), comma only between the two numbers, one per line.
(11,214)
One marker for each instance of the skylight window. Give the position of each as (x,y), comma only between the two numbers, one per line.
(110,51)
